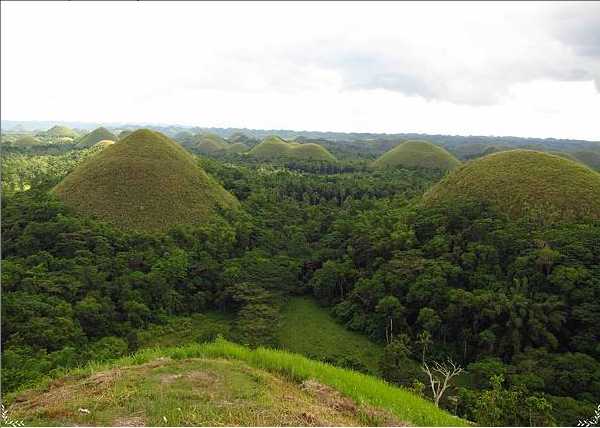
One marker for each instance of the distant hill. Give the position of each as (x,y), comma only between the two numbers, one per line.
(221,384)
(27,140)
(209,143)
(239,137)
(237,148)
(61,131)
(275,147)
(421,154)
(144,182)
(97,135)
(524,183)
(124,134)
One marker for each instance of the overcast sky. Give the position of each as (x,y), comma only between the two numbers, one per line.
(524,69)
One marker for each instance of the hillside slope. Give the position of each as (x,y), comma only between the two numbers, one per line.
(97,135)
(61,131)
(209,143)
(144,182)
(421,154)
(221,383)
(524,182)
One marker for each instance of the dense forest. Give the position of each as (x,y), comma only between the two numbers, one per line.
(514,302)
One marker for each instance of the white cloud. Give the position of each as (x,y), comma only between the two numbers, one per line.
(483,68)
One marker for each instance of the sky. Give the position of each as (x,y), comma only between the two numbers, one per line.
(518,69)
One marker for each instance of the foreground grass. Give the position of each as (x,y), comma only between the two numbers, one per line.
(362,389)
(310,330)
(188,392)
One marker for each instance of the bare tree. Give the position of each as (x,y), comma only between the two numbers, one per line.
(440,375)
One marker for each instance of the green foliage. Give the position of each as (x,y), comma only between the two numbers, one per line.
(144,182)
(417,154)
(396,364)
(500,407)
(512,297)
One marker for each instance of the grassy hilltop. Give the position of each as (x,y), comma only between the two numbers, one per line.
(275,147)
(209,143)
(145,182)
(97,135)
(221,383)
(420,154)
(61,131)
(518,182)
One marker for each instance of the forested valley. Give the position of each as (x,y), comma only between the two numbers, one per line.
(515,302)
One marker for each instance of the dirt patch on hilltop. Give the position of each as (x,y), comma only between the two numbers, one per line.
(335,400)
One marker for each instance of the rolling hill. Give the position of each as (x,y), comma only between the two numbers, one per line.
(237,148)
(221,384)
(239,137)
(415,153)
(275,147)
(27,140)
(209,143)
(97,135)
(61,131)
(144,182)
(524,182)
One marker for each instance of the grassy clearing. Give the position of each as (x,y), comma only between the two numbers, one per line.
(310,330)
(421,154)
(525,182)
(125,399)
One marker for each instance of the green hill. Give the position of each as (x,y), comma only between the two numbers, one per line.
(27,140)
(237,148)
(311,151)
(97,135)
(145,182)
(275,147)
(239,137)
(271,147)
(220,384)
(61,131)
(209,143)
(414,153)
(518,182)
